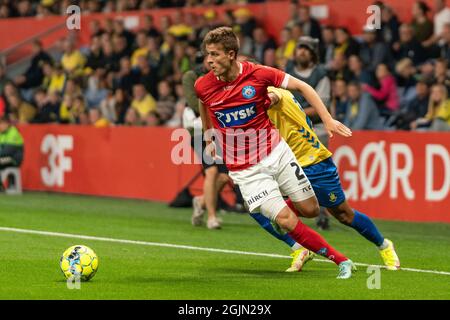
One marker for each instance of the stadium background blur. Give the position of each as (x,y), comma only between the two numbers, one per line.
(99,110)
(124,69)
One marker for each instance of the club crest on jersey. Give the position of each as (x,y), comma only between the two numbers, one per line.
(236,116)
(248,92)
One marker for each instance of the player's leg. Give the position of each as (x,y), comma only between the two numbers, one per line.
(324,178)
(210,194)
(299,254)
(365,227)
(293,182)
(310,239)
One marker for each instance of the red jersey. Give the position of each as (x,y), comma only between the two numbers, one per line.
(238,110)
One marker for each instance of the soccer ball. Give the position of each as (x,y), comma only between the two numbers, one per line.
(79,261)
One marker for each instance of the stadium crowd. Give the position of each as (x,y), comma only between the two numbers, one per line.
(395,77)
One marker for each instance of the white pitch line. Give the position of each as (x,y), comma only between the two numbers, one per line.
(169,245)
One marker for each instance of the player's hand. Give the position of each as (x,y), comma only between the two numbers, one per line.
(274,99)
(210,149)
(334,126)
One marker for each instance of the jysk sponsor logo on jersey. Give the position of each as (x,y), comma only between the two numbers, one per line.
(248,92)
(236,116)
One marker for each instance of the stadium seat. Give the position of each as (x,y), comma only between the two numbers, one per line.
(12,180)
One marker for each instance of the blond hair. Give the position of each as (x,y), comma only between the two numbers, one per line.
(433,107)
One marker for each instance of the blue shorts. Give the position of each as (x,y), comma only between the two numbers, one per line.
(325,181)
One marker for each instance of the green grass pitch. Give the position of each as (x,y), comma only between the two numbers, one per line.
(30,262)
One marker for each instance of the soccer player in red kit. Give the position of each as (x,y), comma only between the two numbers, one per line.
(233,100)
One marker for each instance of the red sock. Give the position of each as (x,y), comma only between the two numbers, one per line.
(291,206)
(314,242)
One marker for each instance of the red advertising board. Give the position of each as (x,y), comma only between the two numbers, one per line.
(396,175)
(119,162)
(388,175)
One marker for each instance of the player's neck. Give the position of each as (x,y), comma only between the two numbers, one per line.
(233,73)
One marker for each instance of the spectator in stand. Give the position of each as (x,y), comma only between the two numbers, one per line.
(141,47)
(125,78)
(150,28)
(154,55)
(421,24)
(406,82)
(362,112)
(47,107)
(245,20)
(132,118)
(95,57)
(167,49)
(345,44)
(177,117)
(327,46)
(441,17)
(409,46)
(311,26)
(441,73)
(34,75)
(20,111)
(285,50)
(165,106)
(120,49)
(54,77)
(358,72)
(24,9)
(389,26)
(305,67)
(97,89)
(179,28)
(339,101)
(372,51)
(73,60)
(120,31)
(181,62)
(96,119)
(387,94)
(415,108)
(142,102)
(261,43)
(95,28)
(246,43)
(72,110)
(5,11)
(144,74)
(109,58)
(3,78)
(444,43)
(339,68)
(438,115)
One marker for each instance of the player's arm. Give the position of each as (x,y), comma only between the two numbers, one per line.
(331,125)
(207,125)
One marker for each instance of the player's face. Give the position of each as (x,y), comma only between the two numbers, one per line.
(218,60)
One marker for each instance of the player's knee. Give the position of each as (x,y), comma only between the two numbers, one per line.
(309,208)
(286,219)
(211,173)
(223,178)
(313,210)
(344,215)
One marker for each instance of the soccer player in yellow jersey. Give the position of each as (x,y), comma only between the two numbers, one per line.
(296,128)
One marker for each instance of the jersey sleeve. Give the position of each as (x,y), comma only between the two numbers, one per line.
(274,77)
(198,90)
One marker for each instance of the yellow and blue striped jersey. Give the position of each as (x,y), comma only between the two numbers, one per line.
(296,128)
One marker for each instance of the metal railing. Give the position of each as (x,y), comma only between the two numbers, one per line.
(14,48)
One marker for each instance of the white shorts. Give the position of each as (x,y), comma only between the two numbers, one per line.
(276,175)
